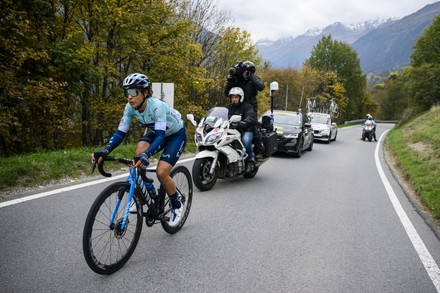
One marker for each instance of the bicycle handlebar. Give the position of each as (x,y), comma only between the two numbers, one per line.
(108,158)
(120,160)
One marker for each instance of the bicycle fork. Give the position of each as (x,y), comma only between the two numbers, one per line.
(127,207)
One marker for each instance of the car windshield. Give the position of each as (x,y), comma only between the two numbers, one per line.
(320,120)
(289,119)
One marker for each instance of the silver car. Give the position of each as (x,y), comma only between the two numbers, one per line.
(324,128)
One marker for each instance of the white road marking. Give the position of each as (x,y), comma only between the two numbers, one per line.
(426,258)
(52,192)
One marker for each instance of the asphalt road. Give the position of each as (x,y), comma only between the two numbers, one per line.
(326,222)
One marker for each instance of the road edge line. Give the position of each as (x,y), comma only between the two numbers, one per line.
(425,256)
(69,188)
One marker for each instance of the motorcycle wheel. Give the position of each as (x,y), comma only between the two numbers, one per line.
(251,174)
(370,137)
(200,172)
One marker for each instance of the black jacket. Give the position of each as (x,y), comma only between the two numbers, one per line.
(250,87)
(246,112)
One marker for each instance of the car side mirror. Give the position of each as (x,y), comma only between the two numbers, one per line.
(307,124)
(333,124)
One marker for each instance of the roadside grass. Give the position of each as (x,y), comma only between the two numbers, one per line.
(42,168)
(416,146)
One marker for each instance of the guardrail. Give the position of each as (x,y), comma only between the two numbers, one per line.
(377,121)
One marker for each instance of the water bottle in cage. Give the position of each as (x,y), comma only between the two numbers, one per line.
(146,187)
(151,189)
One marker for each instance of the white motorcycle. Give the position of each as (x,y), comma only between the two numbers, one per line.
(221,153)
(368,130)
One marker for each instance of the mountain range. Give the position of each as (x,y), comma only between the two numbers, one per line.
(381,44)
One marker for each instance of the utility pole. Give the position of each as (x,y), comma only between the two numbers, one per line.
(300,102)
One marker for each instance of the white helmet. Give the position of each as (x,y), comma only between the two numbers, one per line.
(369,116)
(137,81)
(237,91)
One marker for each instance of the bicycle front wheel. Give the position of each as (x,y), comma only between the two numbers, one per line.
(176,218)
(107,246)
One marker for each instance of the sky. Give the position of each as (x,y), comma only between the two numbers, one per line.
(276,19)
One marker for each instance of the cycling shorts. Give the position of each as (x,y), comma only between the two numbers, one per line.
(173,146)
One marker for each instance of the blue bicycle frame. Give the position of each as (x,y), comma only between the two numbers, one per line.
(132,180)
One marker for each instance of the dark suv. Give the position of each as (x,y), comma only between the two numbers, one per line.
(294,132)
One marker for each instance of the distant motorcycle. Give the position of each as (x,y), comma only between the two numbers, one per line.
(368,130)
(221,153)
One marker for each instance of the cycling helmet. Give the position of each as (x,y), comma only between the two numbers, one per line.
(248,65)
(237,91)
(136,81)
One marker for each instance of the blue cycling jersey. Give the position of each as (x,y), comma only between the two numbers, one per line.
(158,115)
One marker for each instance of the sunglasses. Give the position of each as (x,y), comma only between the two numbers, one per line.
(131,92)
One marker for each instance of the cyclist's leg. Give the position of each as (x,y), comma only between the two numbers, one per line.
(173,149)
(175,219)
(144,143)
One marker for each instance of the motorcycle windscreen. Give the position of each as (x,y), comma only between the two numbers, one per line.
(215,114)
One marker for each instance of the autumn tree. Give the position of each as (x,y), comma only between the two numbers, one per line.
(31,110)
(338,57)
(296,86)
(391,97)
(63,62)
(424,72)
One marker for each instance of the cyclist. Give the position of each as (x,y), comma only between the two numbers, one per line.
(164,131)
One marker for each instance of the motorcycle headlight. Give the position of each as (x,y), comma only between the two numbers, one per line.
(213,137)
(198,137)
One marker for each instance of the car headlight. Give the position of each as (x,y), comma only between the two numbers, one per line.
(325,131)
(213,137)
(291,135)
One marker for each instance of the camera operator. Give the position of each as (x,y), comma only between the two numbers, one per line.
(243,75)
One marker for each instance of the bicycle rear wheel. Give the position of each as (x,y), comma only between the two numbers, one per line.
(108,247)
(182,178)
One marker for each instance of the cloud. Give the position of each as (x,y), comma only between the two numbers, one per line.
(275,19)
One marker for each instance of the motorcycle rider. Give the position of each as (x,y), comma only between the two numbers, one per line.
(244,77)
(248,118)
(369,117)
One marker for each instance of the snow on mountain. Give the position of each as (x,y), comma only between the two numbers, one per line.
(292,51)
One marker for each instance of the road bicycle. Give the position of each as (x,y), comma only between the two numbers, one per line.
(333,109)
(311,104)
(112,228)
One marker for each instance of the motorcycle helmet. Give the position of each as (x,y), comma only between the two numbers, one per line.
(136,81)
(237,91)
(369,116)
(248,65)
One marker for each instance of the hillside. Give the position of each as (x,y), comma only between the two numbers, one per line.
(390,45)
(382,45)
(413,149)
